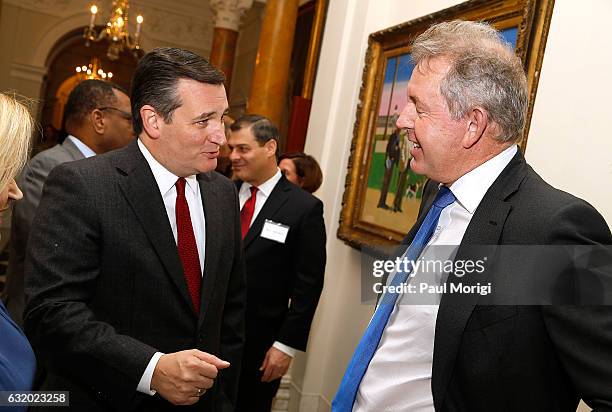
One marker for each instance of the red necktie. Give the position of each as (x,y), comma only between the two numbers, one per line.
(187,248)
(246,214)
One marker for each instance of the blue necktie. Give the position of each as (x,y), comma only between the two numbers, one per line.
(345,397)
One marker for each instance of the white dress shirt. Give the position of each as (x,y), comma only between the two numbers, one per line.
(398,377)
(166,181)
(263,192)
(83,148)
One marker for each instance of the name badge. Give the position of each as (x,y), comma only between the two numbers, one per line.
(275,231)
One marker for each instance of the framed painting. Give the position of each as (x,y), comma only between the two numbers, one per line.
(382,195)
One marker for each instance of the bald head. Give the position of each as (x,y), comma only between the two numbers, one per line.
(98,114)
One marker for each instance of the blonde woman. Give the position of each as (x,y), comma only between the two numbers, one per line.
(17,361)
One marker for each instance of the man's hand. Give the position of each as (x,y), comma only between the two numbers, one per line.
(182,377)
(275,365)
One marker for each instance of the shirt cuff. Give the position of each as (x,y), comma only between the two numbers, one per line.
(287,350)
(144,385)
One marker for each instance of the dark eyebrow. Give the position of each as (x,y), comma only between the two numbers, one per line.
(203,116)
(209,114)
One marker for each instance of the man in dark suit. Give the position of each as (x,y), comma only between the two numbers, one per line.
(392,158)
(467,102)
(97,119)
(284,246)
(135,277)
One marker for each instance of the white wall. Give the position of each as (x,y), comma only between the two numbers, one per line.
(570,140)
(569,145)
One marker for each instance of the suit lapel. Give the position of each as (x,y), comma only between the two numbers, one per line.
(455,309)
(277,198)
(214,219)
(142,193)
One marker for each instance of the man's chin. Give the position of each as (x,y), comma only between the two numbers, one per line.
(208,166)
(240,174)
(418,167)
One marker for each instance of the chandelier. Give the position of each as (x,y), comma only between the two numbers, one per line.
(93,71)
(116,30)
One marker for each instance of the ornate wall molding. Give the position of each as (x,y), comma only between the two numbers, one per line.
(227,14)
(188,31)
(28,72)
(58,8)
(183,23)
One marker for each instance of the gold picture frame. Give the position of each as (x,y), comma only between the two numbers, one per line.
(527,21)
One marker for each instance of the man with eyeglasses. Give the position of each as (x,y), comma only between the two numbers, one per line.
(97,119)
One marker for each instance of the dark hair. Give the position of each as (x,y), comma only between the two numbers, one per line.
(263,129)
(156,77)
(307,169)
(88,96)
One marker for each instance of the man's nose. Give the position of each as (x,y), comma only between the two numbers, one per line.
(233,154)
(218,138)
(218,135)
(406,118)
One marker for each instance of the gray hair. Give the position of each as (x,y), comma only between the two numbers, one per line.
(484,72)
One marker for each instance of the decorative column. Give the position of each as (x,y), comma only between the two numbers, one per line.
(271,73)
(227,17)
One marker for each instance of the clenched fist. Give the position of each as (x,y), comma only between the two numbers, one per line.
(182,377)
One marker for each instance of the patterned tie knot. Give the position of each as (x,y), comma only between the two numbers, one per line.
(180,186)
(444,197)
(253,190)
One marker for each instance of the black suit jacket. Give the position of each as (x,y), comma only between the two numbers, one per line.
(522,358)
(30,181)
(106,287)
(281,272)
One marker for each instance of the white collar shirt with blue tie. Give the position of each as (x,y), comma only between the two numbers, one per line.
(398,377)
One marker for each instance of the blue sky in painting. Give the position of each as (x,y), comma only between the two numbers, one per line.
(510,35)
(404,71)
(390,72)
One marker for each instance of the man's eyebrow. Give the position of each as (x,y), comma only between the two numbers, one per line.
(209,114)
(204,115)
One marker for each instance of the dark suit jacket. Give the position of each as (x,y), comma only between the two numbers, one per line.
(30,181)
(281,272)
(522,358)
(106,287)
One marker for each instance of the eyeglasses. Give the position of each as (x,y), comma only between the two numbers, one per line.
(124,114)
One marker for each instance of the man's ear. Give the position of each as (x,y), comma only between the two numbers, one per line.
(477,122)
(97,121)
(151,121)
(271,146)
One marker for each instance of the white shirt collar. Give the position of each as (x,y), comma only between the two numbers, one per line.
(470,188)
(83,148)
(164,178)
(267,186)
